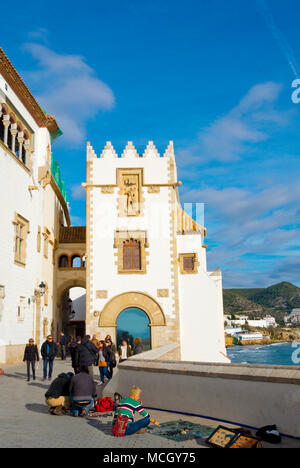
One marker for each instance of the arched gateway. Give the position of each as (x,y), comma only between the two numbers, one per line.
(118,304)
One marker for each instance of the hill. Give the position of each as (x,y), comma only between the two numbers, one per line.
(278,300)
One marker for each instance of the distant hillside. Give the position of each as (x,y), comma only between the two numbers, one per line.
(278,299)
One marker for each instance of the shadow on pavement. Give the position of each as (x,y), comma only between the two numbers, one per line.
(23,377)
(37,408)
(103,427)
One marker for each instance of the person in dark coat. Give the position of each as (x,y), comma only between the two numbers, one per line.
(86,354)
(138,346)
(112,362)
(31,355)
(63,341)
(48,352)
(83,391)
(73,347)
(58,394)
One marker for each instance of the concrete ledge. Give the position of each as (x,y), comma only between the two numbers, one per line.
(248,372)
(243,395)
(154,354)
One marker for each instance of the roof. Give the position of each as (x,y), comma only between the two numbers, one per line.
(72,235)
(186,224)
(19,87)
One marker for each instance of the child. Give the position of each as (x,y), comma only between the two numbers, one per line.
(123,423)
(31,354)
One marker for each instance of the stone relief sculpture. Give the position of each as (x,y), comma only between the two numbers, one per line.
(130,191)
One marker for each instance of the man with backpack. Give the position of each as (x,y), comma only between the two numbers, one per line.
(86,354)
(83,391)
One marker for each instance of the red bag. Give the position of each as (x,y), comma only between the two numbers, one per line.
(119,428)
(104,405)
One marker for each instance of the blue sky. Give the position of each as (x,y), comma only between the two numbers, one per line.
(213,76)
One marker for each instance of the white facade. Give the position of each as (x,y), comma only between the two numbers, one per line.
(27,197)
(184,308)
(266,322)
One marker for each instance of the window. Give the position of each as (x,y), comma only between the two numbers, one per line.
(188,263)
(21,226)
(76,261)
(21,309)
(1,129)
(131,255)
(63,261)
(38,239)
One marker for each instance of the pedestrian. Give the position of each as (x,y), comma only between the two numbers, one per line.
(123,422)
(95,341)
(31,355)
(73,347)
(112,346)
(138,346)
(63,341)
(83,392)
(58,394)
(112,363)
(104,359)
(48,352)
(86,354)
(124,350)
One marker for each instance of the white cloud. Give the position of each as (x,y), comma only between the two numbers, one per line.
(232,135)
(69,89)
(78,192)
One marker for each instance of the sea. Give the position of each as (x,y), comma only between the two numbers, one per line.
(283,354)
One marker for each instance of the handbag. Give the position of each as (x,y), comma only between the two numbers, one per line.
(102,364)
(104,405)
(119,428)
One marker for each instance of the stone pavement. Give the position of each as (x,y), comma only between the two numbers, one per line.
(25,422)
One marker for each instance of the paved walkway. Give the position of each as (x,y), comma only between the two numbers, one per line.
(25,422)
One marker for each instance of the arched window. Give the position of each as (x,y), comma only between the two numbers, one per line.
(76,261)
(9,139)
(131,255)
(63,261)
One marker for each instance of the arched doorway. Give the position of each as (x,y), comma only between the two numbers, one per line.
(132,323)
(71,310)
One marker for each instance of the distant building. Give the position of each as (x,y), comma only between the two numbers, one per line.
(232,331)
(266,322)
(294,317)
(250,336)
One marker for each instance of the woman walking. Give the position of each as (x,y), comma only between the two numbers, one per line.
(112,363)
(31,355)
(104,358)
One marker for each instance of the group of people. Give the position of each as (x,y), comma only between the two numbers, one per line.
(87,352)
(76,391)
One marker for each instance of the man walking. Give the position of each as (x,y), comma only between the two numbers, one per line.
(63,346)
(48,352)
(86,354)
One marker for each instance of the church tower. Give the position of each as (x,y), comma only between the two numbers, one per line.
(145,254)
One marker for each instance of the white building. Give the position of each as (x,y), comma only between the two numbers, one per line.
(255,336)
(266,322)
(144,251)
(294,317)
(32,209)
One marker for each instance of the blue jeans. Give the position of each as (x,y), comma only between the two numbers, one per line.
(104,372)
(45,365)
(133,427)
(77,407)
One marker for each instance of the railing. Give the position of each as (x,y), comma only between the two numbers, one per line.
(56,173)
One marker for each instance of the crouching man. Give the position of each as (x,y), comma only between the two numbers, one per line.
(123,423)
(83,392)
(58,394)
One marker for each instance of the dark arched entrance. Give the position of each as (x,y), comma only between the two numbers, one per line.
(132,323)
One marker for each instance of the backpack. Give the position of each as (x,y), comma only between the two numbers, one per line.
(269,434)
(120,425)
(104,405)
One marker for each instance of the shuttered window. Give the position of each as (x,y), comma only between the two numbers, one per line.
(131,255)
(188,263)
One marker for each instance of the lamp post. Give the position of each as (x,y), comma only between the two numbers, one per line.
(42,288)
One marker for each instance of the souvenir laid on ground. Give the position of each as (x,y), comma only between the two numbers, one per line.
(1,371)
(223,437)
(181,430)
